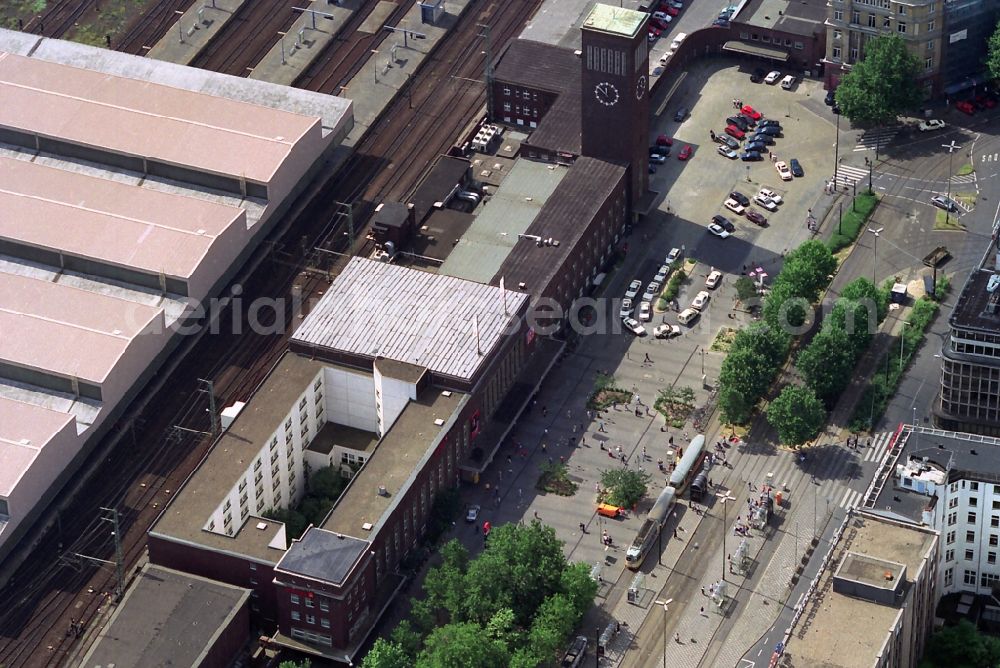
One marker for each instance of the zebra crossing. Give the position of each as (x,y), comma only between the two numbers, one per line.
(967,178)
(880,138)
(848,175)
(830,470)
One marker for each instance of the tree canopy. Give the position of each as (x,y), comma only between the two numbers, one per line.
(827,363)
(513,605)
(625,486)
(961,646)
(993,54)
(796,414)
(883,84)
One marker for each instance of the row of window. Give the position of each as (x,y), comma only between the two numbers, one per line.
(766,39)
(519,93)
(521,111)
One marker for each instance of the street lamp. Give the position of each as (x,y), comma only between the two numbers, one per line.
(952,147)
(901,340)
(724,497)
(875,252)
(665,604)
(836,153)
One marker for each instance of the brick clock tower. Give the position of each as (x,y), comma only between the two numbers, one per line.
(615,105)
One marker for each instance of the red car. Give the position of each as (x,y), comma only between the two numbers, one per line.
(966,107)
(654,31)
(750,112)
(685,153)
(662,25)
(985,102)
(664,140)
(756,217)
(734,132)
(671,11)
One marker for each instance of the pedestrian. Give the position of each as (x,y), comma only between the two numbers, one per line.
(703,592)
(624,459)
(602,445)
(702,611)
(644,452)
(869,443)
(583,528)
(670,441)
(675,536)
(536,514)
(545,411)
(601,428)
(677,638)
(543,446)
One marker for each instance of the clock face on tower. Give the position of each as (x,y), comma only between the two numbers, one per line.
(640,87)
(606,94)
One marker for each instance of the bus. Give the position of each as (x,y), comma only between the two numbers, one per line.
(690,464)
(650,529)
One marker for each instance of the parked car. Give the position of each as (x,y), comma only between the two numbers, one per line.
(966,107)
(750,112)
(659,15)
(788,82)
(626,308)
(770,194)
(931,124)
(701,300)
(633,289)
(762,138)
(756,217)
(758,146)
(726,140)
(673,256)
(943,202)
(727,152)
(663,23)
(664,140)
(734,206)
(666,331)
(662,273)
(734,132)
(985,101)
(680,114)
(783,171)
(831,97)
(723,222)
(757,75)
(676,44)
(772,130)
(652,169)
(472,513)
(685,153)
(713,280)
(766,122)
(766,202)
(672,11)
(634,326)
(652,290)
(750,156)
(742,122)
(772,77)
(657,159)
(718,231)
(645,311)
(689,315)
(740,197)
(796,168)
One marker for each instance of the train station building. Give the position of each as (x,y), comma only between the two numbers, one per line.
(133,191)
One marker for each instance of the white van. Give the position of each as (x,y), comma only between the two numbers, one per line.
(788,82)
(674,45)
(687,316)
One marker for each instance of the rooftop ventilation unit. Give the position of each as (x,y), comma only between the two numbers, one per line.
(993,283)
(382,491)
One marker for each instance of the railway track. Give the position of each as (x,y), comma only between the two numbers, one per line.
(151,460)
(147,29)
(247,37)
(58,18)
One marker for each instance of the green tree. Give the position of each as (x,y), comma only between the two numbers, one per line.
(305,663)
(625,486)
(863,290)
(460,645)
(748,372)
(519,568)
(882,85)
(827,363)
(745,289)
(784,308)
(408,638)
(579,587)
(552,625)
(796,414)
(772,343)
(735,408)
(444,585)
(993,54)
(961,646)
(294,521)
(858,312)
(386,654)
(327,483)
(808,269)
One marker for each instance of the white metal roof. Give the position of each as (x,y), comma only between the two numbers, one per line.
(376,309)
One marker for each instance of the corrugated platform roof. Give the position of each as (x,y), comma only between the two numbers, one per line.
(112,222)
(139,118)
(24,430)
(375,309)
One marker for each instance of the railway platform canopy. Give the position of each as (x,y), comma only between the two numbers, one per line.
(133,191)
